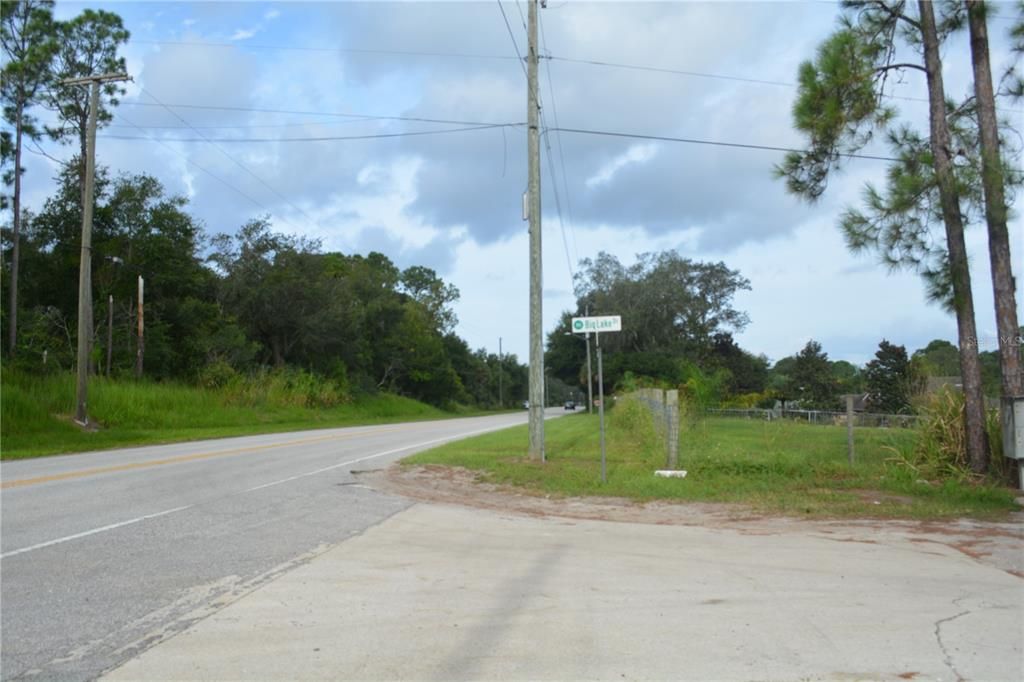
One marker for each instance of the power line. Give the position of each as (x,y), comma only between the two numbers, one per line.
(561,152)
(659,69)
(242,127)
(296,112)
(468,55)
(558,208)
(233,159)
(201,168)
(353,50)
(714,143)
(716,76)
(522,19)
(519,55)
(338,138)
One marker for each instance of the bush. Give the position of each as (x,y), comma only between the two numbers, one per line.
(217,375)
(286,387)
(940,451)
(633,417)
(747,401)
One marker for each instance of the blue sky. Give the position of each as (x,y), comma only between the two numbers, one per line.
(453,201)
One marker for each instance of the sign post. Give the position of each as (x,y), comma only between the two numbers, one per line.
(586,325)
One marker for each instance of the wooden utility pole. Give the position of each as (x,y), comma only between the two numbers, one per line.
(85,262)
(110,331)
(536,277)
(501,393)
(141,350)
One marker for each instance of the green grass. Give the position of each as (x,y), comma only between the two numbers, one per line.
(772,467)
(35,414)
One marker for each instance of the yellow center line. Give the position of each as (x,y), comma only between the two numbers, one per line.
(184,458)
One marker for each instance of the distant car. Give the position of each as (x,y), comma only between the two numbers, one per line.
(570,405)
(526,404)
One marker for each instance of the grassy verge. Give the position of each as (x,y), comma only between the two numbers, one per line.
(35,414)
(773,467)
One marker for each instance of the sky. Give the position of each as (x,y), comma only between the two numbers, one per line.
(239,107)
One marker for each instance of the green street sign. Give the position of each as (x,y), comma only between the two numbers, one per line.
(597,325)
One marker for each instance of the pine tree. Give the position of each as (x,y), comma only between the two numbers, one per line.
(840,109)
(888,379)
(27,34)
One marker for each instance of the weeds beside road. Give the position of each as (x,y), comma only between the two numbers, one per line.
(778,467)
(35,413)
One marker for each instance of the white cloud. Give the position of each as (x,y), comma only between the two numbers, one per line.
(452,201)
(636,154)
(244,34)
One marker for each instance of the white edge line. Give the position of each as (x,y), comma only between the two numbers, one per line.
(137,519)
(378,454)
(94,531)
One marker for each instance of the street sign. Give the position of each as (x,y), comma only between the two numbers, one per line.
(605,323)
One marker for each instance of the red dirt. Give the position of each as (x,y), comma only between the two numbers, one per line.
(1000,545)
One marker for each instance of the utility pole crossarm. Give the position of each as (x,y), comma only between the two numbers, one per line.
(97,78)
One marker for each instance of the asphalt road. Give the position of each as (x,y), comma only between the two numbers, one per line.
(443,593)
(104,553)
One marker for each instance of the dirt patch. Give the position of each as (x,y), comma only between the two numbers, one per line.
(1000,545)
(454,485)
(879,497)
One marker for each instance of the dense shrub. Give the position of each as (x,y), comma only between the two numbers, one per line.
(940,450)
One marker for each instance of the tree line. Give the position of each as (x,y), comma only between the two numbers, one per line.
(679,322)
(217,307)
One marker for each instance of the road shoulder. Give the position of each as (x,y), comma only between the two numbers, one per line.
(445,591)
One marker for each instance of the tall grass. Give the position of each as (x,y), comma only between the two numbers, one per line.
(940,451)
(779,466)
(36,411)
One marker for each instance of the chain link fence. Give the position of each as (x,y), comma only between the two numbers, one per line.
(664,408)
(823,417)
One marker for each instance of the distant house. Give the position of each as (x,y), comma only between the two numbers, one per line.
(936,384)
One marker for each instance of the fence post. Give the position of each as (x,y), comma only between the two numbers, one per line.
(672,427)
(849,427)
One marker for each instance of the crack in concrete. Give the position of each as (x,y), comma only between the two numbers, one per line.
(948,658)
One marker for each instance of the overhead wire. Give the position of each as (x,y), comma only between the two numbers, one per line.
(301,112)
(715,143)
(468,55)
(512,35)
(300,48)
(254,126)
(558,142)
(717,76)
(234,160)
(554,183)
(204,170)
(334,138)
